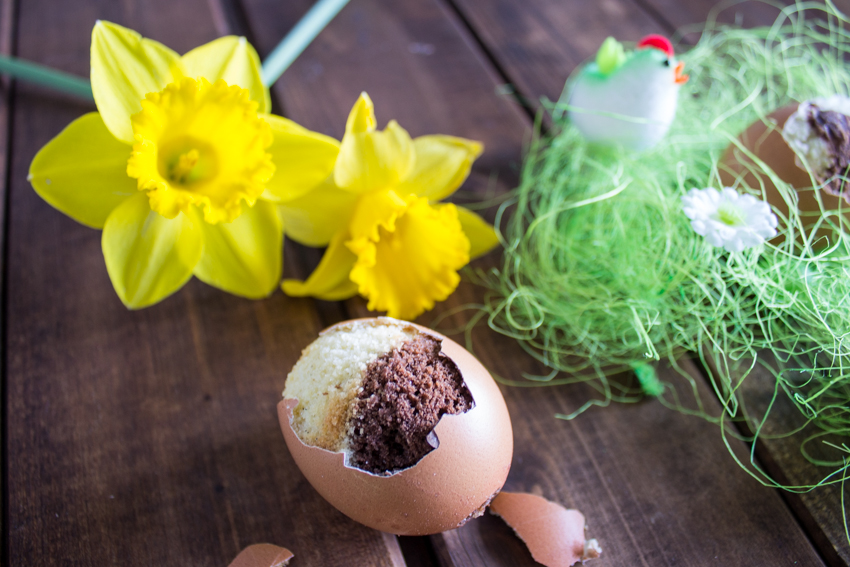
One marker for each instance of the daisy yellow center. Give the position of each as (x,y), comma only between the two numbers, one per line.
(408,252)
(200,144)
(730,215)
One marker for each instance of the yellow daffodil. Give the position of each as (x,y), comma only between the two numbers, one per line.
(387,237)
(180,167)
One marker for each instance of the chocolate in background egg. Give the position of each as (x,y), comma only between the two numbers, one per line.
(766,142)
(448,486)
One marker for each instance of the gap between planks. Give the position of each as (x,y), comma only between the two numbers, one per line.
(7,19)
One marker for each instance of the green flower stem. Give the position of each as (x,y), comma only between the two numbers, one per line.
(299,38)
(46,76)
(277,62)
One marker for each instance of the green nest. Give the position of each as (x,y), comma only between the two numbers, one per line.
(602,271)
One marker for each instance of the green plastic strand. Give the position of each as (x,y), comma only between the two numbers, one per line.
(603,273)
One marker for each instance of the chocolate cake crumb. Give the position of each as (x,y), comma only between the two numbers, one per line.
(404,394)
(833,128)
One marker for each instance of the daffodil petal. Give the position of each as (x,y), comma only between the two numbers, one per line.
(370,159)
(243,257)
(124,68)
(410,268)
(148,256)
(303,159)
(374,210)
(82,171)
(232,59)
(329,281)
(482,237)
(315,217)
(442,165)
(362,116)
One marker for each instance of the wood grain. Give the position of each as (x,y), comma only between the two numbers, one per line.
(420,69)
(819,510)
(540,42)
(149,437)
(651,482)
(416,66)
(688,17)
(7,18)
(650,505)
(529,65)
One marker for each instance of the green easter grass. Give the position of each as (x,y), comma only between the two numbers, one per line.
(602,271)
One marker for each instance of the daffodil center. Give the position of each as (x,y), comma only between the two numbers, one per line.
(187,162)
(182,170)
(391,239)
(200,145)
(730,215)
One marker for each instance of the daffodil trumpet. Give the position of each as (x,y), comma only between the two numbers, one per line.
(389,238)
(181,167)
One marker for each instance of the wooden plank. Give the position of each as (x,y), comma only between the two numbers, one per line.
(539,42)
(819,511)
(420,70)
(653,483)
(416,66)
(500,24)
(7,18)
(149,437)
(687,16)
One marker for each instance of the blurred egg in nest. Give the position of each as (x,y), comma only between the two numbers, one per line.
(396,426)
(793,141)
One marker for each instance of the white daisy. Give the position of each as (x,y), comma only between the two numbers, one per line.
(728,219)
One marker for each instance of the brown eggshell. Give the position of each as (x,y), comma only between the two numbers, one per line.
(766,142)
(262,555)
(553,534)
(448,486)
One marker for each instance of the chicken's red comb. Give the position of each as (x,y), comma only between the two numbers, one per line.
(658,42)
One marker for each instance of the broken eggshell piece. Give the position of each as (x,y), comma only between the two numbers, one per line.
(262,555)
(553,534)
(448,486)
(765,140)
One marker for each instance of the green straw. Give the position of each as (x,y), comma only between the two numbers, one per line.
(46,76)
(299,38)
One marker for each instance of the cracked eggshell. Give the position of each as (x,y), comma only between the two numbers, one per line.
(262,555)
(766,142)
(448,486)
(554,535)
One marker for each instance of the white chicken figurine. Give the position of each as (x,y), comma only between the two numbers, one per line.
(627,98)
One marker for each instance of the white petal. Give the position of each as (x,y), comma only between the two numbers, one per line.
(699,227)
(714,239)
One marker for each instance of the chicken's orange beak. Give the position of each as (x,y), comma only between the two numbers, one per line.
(681,78)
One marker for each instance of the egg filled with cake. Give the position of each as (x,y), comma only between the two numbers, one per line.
(398,427)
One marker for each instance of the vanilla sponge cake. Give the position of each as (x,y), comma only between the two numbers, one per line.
(374,390)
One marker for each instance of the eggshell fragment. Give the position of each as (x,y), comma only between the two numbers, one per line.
(764,139)
(447,487)
(262,555)
(553,534)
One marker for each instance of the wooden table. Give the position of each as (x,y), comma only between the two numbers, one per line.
(150,437)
